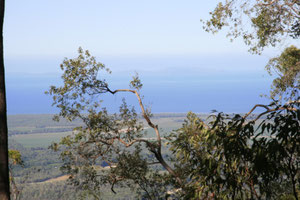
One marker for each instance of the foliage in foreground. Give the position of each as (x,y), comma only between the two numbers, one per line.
(237,160)
(260,23)
(228,158)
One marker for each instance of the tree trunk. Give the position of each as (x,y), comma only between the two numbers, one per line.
(4,172)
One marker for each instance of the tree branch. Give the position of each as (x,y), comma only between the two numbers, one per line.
(268,110)
(156,152)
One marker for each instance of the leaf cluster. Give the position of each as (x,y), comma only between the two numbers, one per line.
(287,68)
(238,159)
(229,158)
(260,23)
(107,148)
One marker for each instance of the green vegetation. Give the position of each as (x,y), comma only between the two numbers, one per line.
(287,67)
(264,23)
(26,129)
(227,157)
(39,164)
(61,190)
(39,139)
(260,23)
(31,124)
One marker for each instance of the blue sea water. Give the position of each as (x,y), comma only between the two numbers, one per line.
(170,84)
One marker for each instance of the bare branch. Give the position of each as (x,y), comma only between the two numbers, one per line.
(268,110)
(257,105)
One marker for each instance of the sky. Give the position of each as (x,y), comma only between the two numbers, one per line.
(183,68)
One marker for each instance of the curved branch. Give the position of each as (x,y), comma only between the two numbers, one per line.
(268,110)
(157,150)
(257,105)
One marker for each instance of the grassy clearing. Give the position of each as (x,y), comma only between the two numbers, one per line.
(39,139)
(33,123)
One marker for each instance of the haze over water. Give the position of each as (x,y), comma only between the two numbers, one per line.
(182,67)
(171,84)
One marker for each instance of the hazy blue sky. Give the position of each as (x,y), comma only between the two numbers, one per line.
(183,67)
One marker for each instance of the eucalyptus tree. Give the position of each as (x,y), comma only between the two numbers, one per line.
(261,24)
(116,139)
(269,164)
(228,158)
(231,157)
(241,157)
(286,67)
